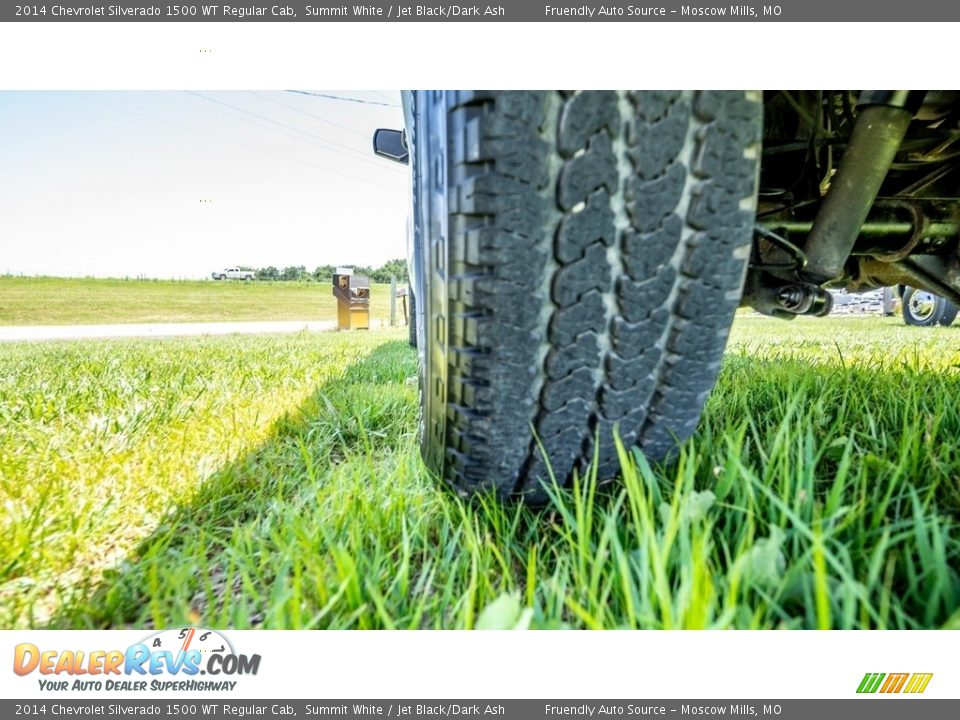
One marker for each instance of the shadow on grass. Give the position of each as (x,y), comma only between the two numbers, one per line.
(305,479)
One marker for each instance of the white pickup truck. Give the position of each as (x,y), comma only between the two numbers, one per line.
(233,273)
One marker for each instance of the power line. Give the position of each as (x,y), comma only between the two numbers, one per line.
(353,153)
(341,97)
(324,142)
(382,95)
(309,114)
(299,161)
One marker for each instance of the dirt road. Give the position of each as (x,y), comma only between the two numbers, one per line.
(13,333)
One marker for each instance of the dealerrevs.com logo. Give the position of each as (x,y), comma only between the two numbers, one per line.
(168,660)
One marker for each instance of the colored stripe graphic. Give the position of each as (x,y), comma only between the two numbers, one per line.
(918,682)
(870,682)
(894,683)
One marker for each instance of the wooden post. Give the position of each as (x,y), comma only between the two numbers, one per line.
(888,301)
(393,301)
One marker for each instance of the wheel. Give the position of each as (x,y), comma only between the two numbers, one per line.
(247,278)
(925,309)
(583,256)
(222,277)
(412,318)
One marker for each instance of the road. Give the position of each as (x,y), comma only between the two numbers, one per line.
(13,333)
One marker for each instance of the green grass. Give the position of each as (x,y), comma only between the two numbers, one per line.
(68,301)
(274,482)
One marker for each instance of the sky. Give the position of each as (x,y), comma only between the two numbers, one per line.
(179,184)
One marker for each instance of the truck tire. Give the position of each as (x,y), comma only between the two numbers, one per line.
(584,254)
(923,308)
(949,313)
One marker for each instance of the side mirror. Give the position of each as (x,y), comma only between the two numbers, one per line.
(391,144)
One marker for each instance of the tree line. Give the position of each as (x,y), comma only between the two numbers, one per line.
(324,273)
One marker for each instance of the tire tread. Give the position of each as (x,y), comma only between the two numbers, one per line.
(596,250)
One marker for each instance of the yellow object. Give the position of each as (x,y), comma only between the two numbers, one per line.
(352,318)
(353,300)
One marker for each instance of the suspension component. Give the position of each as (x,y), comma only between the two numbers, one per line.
(770,296)
(804,300)
(880,128)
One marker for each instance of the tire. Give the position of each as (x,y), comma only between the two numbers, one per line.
(949,313)
(923,308)
(583,257)
(222,277)
(412,318)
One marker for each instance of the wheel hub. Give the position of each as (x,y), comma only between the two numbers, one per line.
(922,304)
